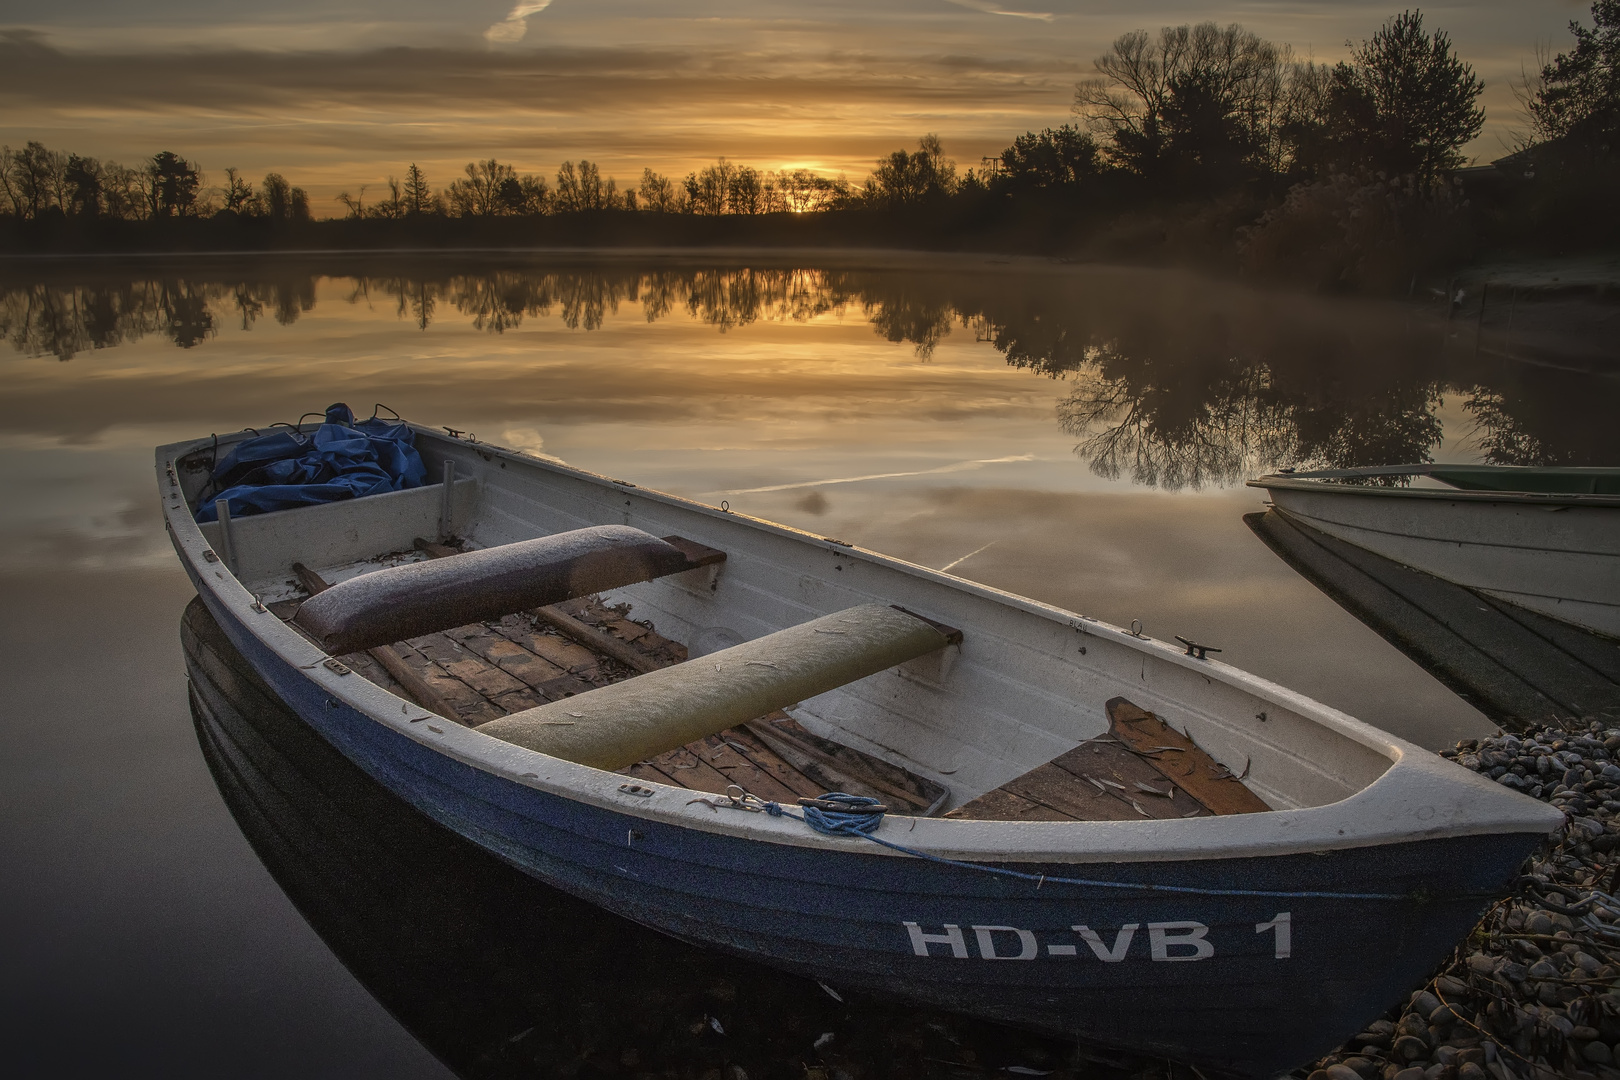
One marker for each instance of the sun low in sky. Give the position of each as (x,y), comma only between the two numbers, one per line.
(336,94)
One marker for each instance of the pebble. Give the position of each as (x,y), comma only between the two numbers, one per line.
(1534,994)
(1410,1048)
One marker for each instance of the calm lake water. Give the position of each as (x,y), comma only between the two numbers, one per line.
(1075,434)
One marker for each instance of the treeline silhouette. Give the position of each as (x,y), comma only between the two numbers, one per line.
(1171,381)
(1203,143)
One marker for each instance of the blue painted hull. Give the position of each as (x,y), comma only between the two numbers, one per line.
(1216,980)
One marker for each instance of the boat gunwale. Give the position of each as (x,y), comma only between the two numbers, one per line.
(1322,480)
(1378,814)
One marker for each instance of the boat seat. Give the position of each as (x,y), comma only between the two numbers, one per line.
(616,726)
(426,597)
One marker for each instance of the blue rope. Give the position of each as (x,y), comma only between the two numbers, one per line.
(862,821)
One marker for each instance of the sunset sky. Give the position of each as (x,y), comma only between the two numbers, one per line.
(344,92)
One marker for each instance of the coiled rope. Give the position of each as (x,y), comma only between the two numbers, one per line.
(841,814)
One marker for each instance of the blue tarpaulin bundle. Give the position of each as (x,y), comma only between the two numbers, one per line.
(342,459)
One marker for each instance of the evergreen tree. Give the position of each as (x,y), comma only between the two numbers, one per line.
(418,197)
(1405,103)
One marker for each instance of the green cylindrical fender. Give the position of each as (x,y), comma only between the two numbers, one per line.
(619,725)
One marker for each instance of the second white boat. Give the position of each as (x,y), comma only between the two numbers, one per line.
(1546,539)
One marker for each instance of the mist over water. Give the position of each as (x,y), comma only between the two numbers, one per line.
(1078,435)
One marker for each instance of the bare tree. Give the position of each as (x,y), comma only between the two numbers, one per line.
(10,193)
(657,193)
(478,193)
(283,202)
(124,192)
(1198,92)
(746,192)
(581,188)
(238,193)
(709,191)
(35,176)
(908,179)
(566,199)
(356,203)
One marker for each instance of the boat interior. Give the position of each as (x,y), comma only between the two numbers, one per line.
(544,626)
(491,669)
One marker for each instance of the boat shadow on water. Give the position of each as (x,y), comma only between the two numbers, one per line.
(499,975)
(1516,666)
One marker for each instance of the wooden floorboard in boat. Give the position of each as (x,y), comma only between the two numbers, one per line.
(1140,768)
(485,671)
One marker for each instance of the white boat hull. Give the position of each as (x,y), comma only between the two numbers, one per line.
(1552,556)
(1291,955)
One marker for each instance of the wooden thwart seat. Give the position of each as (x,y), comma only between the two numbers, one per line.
(629,721)
(1141,768)
(488,670)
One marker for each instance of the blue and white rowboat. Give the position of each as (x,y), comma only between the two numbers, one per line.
(1246,943)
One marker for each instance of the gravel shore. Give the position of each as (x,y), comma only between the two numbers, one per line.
(1534,992)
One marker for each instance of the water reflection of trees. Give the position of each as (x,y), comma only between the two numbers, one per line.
(1169,426)
(1171,382)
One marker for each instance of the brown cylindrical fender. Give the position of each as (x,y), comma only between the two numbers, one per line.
(422,598)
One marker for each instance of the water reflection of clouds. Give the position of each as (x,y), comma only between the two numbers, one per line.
(80,507)
(954,467)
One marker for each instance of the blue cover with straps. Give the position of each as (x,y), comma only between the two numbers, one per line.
(342,459)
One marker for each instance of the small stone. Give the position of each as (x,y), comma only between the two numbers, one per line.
(1410,1048)
(1447,1014)
(1446,1055)
(1539,923)
(1481,964)
(1319,1074)
(1581,1033)
(1339,1072)
(1415,1025)
(1474,1054)
(1543,969)
(1598,1053)
(1362,1066)
(1472,1070)
(1452,987)
(1409,1073)
(1424,1003)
